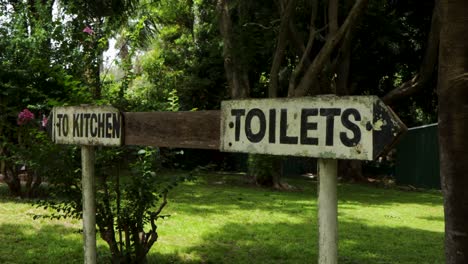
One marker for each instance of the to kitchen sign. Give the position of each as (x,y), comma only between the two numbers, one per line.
(87,125)
(354,127)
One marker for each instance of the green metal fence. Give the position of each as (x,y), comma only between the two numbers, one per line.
(417,158)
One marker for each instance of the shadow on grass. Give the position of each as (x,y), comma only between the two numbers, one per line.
(297,243)
(434,218)
(6,196)
(47,244)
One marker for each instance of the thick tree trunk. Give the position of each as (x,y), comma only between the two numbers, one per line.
(236,75)
(453,126)
(286,16)
(13,181)
(332,17)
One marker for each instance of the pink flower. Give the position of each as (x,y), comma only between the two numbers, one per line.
(24,117)
(88,30)
(44,121)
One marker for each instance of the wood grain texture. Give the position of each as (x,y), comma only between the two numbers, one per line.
(200,129)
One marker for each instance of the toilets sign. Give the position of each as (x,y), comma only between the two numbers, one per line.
(354,127)
(87,125)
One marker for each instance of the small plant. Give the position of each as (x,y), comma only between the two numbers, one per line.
(130,200)
(24,153)
(265,170)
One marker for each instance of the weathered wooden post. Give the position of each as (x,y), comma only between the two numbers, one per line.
(89,203)
(87,126)
(328,210)
(326,127)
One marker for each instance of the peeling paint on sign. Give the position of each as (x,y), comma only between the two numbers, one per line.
(87,125)
(323,126)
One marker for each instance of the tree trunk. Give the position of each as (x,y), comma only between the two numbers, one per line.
(29,182)
(13,181)
(286,16)
(453,126)
(307,84)
(350,170)
(236,74)
(304,62)
(428,64)
(34,191)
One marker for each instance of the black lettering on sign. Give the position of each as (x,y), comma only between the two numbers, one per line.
(272,126)
(237,113)
(306,126)
(93,125)
(86,117)
(284,138)
(349,142)
(100,124)
(108,125)
(81,125)
(76,132)
(255,137)
(330,114)
(65,125)
(59,124)
(116,125)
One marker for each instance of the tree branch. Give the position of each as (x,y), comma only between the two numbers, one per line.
(428,65)
(343,62)
(332,17)
(280,48)
(152,236)
(305,55)
(317,65)
(296,39)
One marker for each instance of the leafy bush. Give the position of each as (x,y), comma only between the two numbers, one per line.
(265,169)
(130,199)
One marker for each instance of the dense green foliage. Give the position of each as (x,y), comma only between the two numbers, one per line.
(130,199)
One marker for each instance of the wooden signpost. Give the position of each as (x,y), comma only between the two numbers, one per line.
(355,127)
(326,127)
(87,126)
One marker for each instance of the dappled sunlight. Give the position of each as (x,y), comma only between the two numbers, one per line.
(235,223)
(400,215)
(266,243)
(31,244)
(239,223)
(382,244)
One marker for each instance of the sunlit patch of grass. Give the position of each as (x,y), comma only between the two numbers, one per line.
(221,219)
(236,223)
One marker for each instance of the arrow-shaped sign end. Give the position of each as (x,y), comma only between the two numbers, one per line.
(388,129)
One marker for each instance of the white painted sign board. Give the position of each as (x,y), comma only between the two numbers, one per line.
(352,127)
(87,125)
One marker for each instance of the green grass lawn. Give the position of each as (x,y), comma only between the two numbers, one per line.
(219,219)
